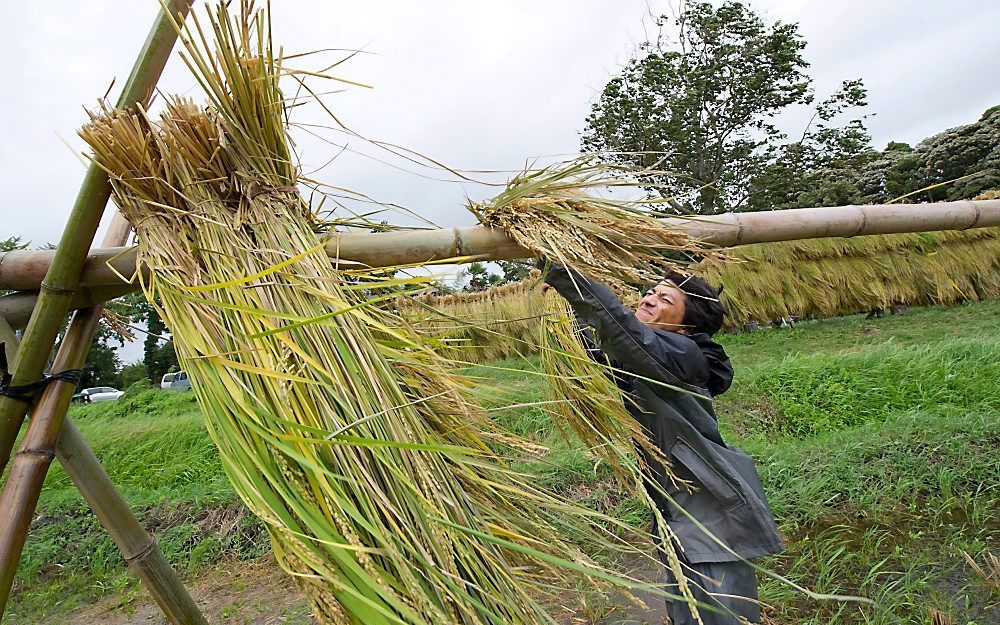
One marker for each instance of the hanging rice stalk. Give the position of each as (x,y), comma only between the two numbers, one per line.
(377,480)
(838,276)
(619,242)
(590,405)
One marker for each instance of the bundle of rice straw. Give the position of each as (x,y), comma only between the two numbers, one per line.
(590,405)
(484,326)
(842,276)
(618,242)
(615,241)
(349,438)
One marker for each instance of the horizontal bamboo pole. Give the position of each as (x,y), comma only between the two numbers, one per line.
(16,307)
(22,270)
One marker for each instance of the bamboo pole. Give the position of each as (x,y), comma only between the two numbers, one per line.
(16,307)
(27,472)
(136,545)
(22,270)
(24,482)
(63,274)
(23,486)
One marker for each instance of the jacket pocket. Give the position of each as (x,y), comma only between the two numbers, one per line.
(710,478)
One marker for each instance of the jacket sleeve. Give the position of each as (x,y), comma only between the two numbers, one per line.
(590,343)
(666,357)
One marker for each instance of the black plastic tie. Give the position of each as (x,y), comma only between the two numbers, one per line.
(26,392)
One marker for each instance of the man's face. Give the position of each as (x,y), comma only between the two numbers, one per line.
(662,308)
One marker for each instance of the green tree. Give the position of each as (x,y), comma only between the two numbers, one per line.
(893,173)
(964,161)
(824,166)
(102,367)
(442,287)
(132,373)
(957,164)
(696,109)
(479,277)
(13,243)
(515,270)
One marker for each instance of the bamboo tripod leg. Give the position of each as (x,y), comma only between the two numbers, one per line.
(24,482)
(37,449)
(136,545)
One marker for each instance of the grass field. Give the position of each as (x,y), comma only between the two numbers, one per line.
(878,442)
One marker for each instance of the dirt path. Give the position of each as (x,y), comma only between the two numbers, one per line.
(256,593)
(654,612)
(260,593)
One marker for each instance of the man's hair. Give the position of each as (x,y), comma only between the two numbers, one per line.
(703,311)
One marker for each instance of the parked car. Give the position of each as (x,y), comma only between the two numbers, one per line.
(177,381)
(98,393)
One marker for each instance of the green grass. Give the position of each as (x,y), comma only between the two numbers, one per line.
(878,442)
(885,511)
(921,326)
(819,393)
(154,446)
(879,445)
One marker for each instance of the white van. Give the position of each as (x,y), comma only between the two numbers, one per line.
(177,381)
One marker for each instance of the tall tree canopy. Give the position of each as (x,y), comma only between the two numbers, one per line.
(961,162)
(824,166)
(838,166)
(699,106)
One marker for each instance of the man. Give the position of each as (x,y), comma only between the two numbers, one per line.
(673,368)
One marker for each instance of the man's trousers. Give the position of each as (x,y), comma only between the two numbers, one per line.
(730,587)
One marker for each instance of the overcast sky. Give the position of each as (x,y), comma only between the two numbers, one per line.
(476,85)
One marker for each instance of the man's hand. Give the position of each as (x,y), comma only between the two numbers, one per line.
(545,287)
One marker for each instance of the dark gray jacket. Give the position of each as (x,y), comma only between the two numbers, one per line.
(728,499)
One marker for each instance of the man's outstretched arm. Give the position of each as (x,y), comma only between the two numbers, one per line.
(665,357)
